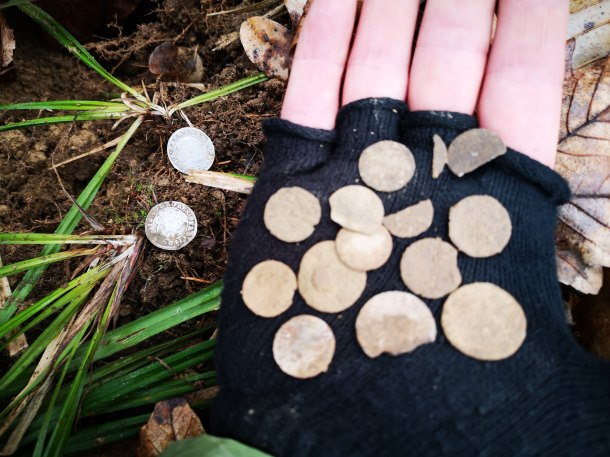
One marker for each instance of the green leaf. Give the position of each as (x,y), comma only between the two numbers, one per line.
(24,265)
(67,105)
(211,446)
(87,116)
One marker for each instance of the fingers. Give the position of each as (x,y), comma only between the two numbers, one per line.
(450,55)
(378,65)
(312,96)
(521,96)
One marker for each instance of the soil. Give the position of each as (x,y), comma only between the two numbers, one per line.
(32,199)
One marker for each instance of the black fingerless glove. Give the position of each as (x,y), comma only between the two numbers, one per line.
(548,398)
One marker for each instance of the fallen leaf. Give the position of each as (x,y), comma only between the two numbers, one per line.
(574,272)
(295,10)
(583,235)
(267,44)
(7,43)
(171,420)
(589,25)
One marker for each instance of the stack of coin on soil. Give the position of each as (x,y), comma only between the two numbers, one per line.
(172,225)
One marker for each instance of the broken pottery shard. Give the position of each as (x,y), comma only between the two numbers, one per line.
(386,166)
(473,148)
(356,208)
(429,268)
(269,288)
(484,321)
(292,213)
(304,346)
(364,252)
(327,284)
(479,226)
(439,156)
(411,221)
(395,323)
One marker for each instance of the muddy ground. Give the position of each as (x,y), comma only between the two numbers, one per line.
(31,198)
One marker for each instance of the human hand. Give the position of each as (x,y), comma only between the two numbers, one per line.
(438,397)
(515,88)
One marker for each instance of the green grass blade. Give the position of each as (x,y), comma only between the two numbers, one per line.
(246,177)
(55,300)
(55,29)
(102,434)
(88,116)
(12,3)
(225,90)
(141,329)
(58,238)
(67,225)
(151,395)
(149,375)
(67,105)
(134,361)
(25,265)
(38,346)
(42,433)
(71,404)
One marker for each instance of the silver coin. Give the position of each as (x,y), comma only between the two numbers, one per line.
(171,225)
(190,149)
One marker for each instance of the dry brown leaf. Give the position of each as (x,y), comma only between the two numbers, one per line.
(7,43)
(589,25)
(295,10)
(172,420)
(583,235)
(267,44)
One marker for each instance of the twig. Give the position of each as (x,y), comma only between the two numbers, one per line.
(86,154)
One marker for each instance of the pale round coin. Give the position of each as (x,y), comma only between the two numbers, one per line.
(479,226)
(472,149)
(484,321)
(325,282)
(356,208)
(395,323)
(386,166)
(429,268)
(304,346)
(439,156)
(364,252)
(190,149)
(411,221)
(292,213)
(171,225)
(268,288)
